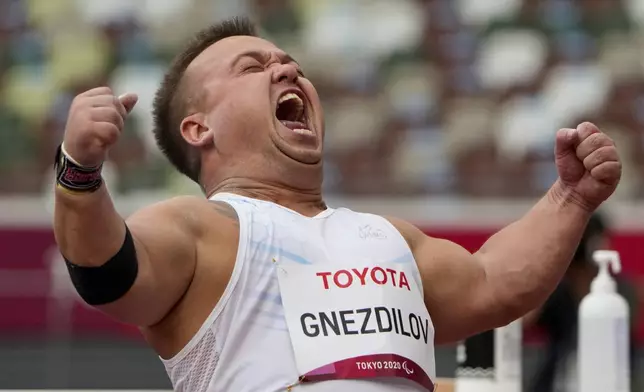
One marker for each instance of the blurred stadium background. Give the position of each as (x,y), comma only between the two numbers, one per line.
(440,111)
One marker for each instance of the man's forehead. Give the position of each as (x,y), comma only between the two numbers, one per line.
(224,51)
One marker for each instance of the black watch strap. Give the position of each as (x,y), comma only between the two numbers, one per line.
(73,177)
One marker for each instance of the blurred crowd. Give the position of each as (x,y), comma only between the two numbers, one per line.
(440,97)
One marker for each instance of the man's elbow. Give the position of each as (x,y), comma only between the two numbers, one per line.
(510,307)
(511,295)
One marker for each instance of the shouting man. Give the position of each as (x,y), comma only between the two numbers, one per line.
(263,287)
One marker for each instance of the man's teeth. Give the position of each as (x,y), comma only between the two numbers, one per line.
(303,131)
(294,96)
(297,115)
(295,99)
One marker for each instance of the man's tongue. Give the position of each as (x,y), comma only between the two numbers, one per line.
(293,124)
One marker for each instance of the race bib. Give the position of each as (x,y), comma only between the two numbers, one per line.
(363,321)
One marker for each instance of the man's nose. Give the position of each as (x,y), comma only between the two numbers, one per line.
(285,73)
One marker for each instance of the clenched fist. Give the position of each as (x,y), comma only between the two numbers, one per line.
(588,164)
(95,122)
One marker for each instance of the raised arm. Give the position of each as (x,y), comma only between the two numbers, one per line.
(137,271)
(91,235)
(517,268)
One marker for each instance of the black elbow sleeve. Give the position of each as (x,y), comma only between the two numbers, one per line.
(112,280)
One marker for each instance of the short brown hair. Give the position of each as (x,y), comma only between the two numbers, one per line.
(172,98)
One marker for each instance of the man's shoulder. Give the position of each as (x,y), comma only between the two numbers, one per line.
(198,216)
(191,212)
(172,206)
(418,239)
(408,230)
(179,202)
(402,226)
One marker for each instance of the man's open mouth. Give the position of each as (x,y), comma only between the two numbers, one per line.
(291,112)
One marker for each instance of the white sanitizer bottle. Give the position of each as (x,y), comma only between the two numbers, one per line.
(603,350)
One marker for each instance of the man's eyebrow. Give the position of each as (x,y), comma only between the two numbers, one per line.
(262,57)
(257,55)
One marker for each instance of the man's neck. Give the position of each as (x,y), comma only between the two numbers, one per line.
(307,203)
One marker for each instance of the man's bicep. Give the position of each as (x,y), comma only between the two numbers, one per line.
(165,244)
(456,291)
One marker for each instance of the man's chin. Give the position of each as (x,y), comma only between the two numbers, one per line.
(302,155)
(306,151)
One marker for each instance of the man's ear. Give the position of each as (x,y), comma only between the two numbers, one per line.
(195,131)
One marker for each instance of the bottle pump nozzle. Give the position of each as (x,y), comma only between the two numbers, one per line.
(606,259)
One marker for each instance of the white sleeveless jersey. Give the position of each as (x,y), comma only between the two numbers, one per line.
(262,336)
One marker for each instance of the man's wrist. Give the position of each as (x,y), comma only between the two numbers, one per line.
(567,198)
(73,177)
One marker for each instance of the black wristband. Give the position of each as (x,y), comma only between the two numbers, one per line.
(112,280)
(74,177)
